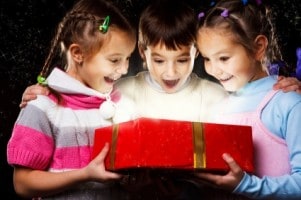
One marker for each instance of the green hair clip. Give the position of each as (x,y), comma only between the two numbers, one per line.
(105,25)
(41,80)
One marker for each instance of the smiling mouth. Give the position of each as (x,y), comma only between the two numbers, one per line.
(109,80)
(225,79)
(171,83)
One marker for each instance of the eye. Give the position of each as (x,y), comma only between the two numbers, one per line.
(224,58)
(183,60)
(159,61)
(205,59)
(115,60)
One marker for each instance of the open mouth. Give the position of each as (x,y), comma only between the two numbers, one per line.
(109,80)
(171,83)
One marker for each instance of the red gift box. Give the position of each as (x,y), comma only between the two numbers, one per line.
(170,144)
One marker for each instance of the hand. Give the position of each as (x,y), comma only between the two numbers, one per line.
(228,181)
(287,84)
(31,93)
(96,171)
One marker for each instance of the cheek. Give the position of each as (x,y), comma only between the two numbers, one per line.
(153,67)
(187,69)
(208,69)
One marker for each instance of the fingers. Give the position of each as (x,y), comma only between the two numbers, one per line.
(234,167)
(287,84)
(103,153)
(99,161)
(228,181)
(230,161)
(26,98)
(212,178)
(22,104)
(31,93)
(279,78)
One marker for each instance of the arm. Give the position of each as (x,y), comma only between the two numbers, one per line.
(228,181)
(31,93)
(287,84)
(34,183)
(284,186)
(240,182)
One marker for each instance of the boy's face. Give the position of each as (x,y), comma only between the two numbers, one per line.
(170,68)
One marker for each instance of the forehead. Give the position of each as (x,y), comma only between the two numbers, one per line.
(119,41)
(162,48)
(210,36)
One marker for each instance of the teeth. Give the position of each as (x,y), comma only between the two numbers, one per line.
(225,79)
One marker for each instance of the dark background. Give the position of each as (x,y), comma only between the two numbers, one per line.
(26,28)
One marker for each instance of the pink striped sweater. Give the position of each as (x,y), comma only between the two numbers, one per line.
(53,137)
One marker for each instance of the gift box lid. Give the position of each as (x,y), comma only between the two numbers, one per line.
(171,144)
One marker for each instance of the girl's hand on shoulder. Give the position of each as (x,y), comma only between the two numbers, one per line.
(287,84)
(31,93)
(96,171)
(228,181)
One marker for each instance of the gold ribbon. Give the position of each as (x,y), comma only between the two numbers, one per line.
(198,140)
(113,146)
(199,145)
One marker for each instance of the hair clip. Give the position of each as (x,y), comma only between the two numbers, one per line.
(200,15)
(41,80)
(225,13)
(212,3)
(245,2)
(105,25)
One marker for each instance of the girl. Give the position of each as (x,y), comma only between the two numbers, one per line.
(236,39)
(51,144)
(168,88)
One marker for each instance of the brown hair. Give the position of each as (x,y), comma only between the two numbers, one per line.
(245,21)
(81,25)
(172,23)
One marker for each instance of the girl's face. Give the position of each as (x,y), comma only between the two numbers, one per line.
(170,68)
(100,71)
(227,61)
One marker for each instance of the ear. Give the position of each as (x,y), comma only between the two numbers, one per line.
(76,53)
(261,43)
(141,49)
(197,51)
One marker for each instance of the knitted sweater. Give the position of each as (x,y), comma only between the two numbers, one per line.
(193,102)
(59,137)
(276,125)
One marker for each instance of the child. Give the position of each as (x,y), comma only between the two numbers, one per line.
(168,89)
(51,144)
(236,39)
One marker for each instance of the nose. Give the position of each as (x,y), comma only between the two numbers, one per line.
(213,69)
(171,69)
(217,70)
(123,68)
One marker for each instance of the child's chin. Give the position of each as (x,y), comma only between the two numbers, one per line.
(230,89)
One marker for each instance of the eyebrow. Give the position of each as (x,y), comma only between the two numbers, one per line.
(183,54)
